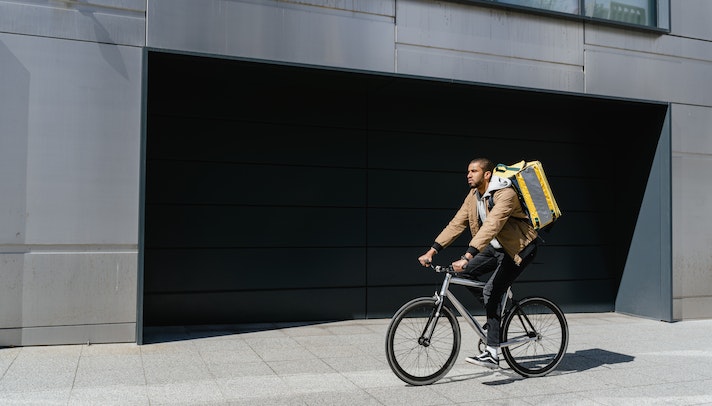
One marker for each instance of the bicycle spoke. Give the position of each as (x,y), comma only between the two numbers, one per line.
(541,321)
(414,356)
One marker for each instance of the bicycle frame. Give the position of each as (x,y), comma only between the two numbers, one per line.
(424,337)
(445,293)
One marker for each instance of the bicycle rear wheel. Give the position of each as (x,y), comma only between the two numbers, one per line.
(542,320)
(415,358)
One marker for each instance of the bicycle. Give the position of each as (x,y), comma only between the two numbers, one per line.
(423,338)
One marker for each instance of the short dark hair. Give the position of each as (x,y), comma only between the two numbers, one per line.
(484,163)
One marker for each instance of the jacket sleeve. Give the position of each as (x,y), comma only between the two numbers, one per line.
(505,202)
(459,223)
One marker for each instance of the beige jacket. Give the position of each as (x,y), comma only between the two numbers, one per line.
(507,222)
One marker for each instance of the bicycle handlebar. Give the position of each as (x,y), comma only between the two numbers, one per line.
(440,268)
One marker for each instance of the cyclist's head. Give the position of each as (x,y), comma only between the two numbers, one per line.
(484,163)
(479,172)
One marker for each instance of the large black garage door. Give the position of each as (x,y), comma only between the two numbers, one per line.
(289,193)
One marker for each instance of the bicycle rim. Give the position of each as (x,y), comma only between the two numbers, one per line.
(412,360)
(540,318)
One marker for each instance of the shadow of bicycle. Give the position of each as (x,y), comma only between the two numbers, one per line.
(578,361)
(583,360)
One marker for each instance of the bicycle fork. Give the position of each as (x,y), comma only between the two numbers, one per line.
(427,333)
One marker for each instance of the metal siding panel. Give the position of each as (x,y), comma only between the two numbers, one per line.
(274,31)
(75,288)
(382,222)
(11,291)
(648,43)
(388,188)
(392,266)
(380,7)
(691,166)
(572,296)
(66,335)
(82,141)
(691,204)
(254,226)
(72,147)
(491,32)
(236,184)
(646,286)
(690,308)
(223,141)
(243,269)
(119,22)
(442,63)
(238,90)
(480,44)
(262,306)
(679,68)
(693,130)
(691,19)
(14,124)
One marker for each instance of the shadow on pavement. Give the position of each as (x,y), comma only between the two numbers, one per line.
(578,361)
(164,334)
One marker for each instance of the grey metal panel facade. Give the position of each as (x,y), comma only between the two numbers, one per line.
(70,297)
(680,68)
(110,21)
(459,41)
(691,19)
(65,190)
(70,159)
(274,30)
(646,284)
(83,142)
(691,159)
(691,194)
(675,68)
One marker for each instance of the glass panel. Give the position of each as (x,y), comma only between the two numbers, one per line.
(647,13)
(563,6)
(664,14)
(639,12)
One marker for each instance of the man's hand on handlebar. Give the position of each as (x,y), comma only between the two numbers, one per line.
(425,259)
(459,265)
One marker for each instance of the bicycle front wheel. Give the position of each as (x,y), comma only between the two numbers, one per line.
(416,355)
(544,333)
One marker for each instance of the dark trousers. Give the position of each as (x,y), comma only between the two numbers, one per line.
(504,272)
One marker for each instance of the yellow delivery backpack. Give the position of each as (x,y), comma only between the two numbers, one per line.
(535,194)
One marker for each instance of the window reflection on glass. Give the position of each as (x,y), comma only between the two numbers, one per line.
(651,13)
(641,12)
(563,6)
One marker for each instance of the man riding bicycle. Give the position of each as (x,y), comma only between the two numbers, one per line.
(503,242)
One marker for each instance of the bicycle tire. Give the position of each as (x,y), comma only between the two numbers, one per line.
(538,357)
(412,360)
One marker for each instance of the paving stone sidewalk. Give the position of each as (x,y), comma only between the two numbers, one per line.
(612,359)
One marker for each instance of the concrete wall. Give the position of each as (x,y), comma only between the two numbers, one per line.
(70,97)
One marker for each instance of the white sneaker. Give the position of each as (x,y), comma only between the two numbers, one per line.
(484,360)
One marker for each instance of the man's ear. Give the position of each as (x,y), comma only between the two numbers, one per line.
(488,175)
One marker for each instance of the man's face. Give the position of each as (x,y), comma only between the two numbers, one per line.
(475,175)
